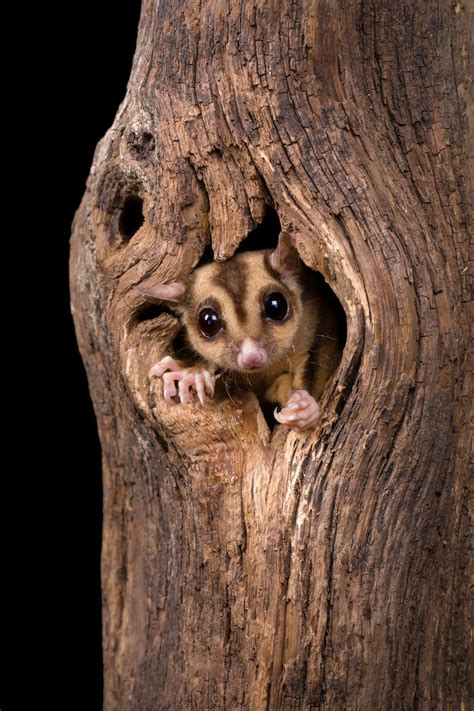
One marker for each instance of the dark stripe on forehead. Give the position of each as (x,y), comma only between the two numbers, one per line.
(232,277)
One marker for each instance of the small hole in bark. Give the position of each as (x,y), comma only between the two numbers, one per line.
(148,140)
(141,145)
(148,313)
(151,311)
(207,257)
(131,217)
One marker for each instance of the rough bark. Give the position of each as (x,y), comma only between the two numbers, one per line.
(240,568)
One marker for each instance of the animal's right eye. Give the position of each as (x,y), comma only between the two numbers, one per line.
(276,306)
(210,322)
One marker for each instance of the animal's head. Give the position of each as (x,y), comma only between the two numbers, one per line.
(243,314)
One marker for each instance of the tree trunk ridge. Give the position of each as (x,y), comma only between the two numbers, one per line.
(249,569)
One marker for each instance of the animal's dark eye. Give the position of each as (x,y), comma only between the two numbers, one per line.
(276,306)
(210,322)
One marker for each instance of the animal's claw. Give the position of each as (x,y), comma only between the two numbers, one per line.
(300,412)
(183,383)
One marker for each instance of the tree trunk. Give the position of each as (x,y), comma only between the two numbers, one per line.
(245,569)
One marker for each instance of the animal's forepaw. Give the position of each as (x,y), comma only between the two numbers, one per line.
(184,384)
(300,412)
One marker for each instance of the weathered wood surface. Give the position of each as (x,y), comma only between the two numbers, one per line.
(325,571)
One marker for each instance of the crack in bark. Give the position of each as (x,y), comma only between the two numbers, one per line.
(326,639)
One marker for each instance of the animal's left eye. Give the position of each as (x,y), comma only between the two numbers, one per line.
(275,306)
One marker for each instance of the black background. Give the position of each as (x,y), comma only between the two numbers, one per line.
(78,64)
(104,39)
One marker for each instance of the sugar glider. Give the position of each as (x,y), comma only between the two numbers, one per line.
(261,322)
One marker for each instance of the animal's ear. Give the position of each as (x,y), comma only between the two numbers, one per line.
(162,293)
(285,259)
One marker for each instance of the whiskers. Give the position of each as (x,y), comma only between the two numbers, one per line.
(225,379)
(324,335)
(307,302)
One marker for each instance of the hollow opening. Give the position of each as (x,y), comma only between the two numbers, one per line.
(264,235)
(318,334)
(181,349)
(335,306)
(131,217)
(148,312)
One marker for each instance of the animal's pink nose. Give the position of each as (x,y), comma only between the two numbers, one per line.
(252,360)
(252,355)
